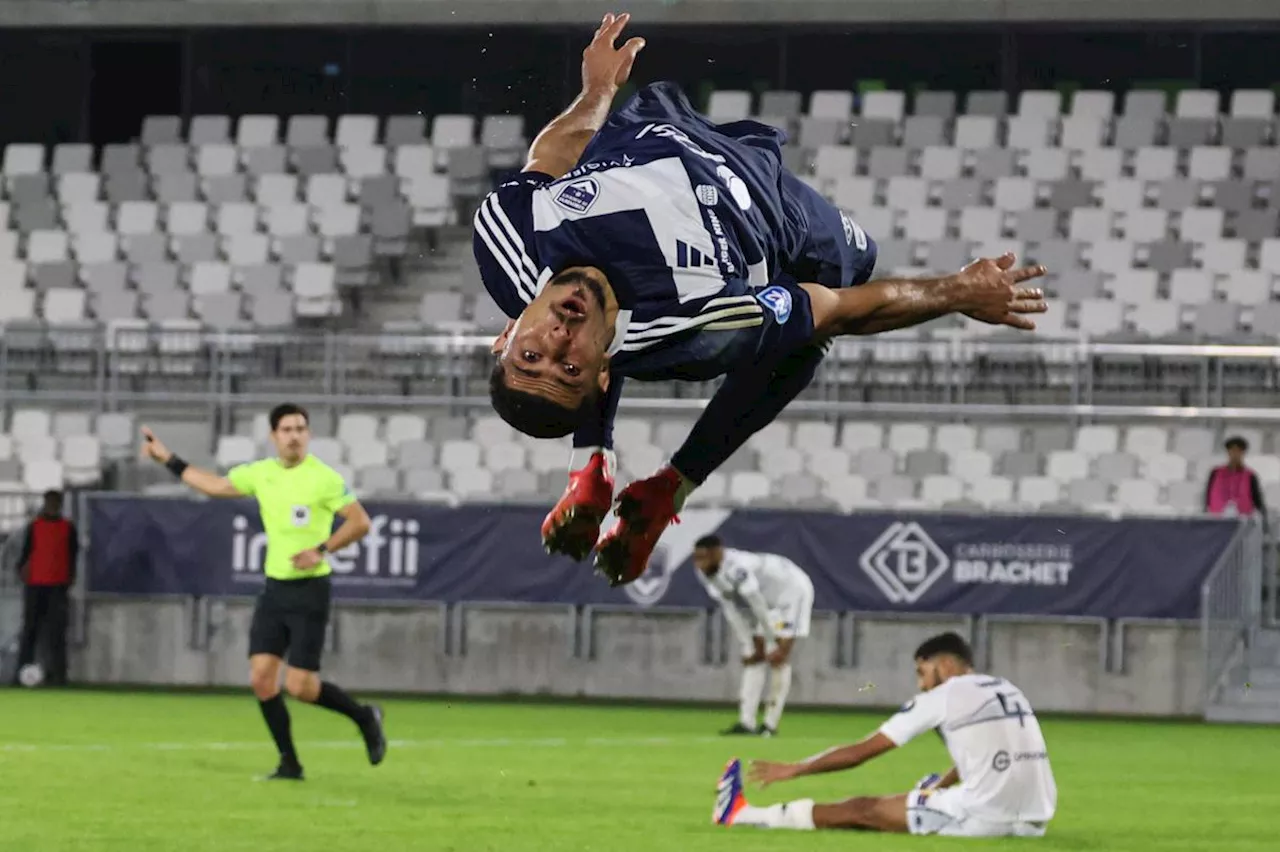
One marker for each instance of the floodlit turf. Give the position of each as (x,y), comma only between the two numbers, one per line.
(175,772)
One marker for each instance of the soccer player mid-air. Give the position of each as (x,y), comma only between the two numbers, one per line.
(768,601)
(656,245)
(1000,784)
(298,496)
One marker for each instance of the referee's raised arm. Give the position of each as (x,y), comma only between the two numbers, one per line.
(299,497)
(204,481)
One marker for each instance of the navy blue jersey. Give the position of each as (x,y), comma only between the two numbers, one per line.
(701,232)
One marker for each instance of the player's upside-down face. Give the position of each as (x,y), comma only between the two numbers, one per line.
(557,348)
(292,436)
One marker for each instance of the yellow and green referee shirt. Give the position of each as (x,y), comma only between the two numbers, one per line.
(297,505)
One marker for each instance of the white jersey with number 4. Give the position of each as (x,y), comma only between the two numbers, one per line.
(995,744)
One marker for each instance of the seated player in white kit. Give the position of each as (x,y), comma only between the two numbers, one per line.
(1000,785)
(768,601)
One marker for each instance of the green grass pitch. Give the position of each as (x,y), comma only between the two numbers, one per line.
(171,772)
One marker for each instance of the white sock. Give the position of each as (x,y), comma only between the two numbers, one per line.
(797,815)
(752,691)
(779,686)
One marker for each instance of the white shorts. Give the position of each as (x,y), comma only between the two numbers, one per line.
(792,615)
(943,812)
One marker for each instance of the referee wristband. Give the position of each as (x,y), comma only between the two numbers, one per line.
(176,466)
(322,548)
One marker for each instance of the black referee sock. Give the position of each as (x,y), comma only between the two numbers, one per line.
(332,697)
(277,716)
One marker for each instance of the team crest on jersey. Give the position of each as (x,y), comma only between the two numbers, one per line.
(778,300)
(708,194)
(577,196)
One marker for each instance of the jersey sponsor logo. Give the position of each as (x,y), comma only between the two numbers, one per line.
(596,165)
(301,516)
(389,555)
(688,257)
(579,195)
(707,194)
(853,233)
(904,562)
(1001,761)
(778,300)
(1013,564)
(736,185)
(722,243)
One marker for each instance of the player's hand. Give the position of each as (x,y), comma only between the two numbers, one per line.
(764,772)
(993,291)
(753,657)
(606,66)
(307,559)
(152,448)
(777,657)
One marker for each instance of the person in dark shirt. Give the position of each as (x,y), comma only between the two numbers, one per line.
(48,567)
(651,244)
(1233,488)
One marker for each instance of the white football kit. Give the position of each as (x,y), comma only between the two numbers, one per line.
(1006,785)
(762,594)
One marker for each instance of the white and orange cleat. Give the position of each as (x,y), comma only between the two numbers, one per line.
(730,799)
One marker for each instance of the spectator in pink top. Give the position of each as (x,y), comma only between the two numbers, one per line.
(1233,489)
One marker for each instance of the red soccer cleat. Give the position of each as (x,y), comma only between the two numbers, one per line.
(573,525)
(645,508)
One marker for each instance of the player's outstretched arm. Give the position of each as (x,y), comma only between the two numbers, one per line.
(556,149)
(836,759)
(206,482)
(988,290)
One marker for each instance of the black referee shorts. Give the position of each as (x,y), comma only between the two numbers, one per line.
(290,621)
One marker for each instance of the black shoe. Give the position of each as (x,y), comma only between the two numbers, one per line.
(375,739)
(766,731)
(287,772)
(738,730)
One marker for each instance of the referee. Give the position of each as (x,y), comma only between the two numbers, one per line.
(297,495)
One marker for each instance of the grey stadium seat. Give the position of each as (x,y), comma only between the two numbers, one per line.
(72,159)
(1190,132)
(1145,102)
(1018,464)
(941,104)
(209,130)
(872,133)
(405,130)
(987,103)
(1135,131)
(921,131)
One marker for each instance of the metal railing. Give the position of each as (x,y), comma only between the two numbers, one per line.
(1231,608)
(121,366)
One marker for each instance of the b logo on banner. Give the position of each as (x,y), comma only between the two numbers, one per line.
(904,562)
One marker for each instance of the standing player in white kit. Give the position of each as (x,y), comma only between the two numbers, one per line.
(768,601)
(1000,785)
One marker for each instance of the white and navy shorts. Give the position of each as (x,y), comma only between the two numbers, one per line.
(943,812)
(791,617)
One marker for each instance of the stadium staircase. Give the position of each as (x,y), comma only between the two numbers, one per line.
(1251,693)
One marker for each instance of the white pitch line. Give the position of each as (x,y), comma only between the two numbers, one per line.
(505,742)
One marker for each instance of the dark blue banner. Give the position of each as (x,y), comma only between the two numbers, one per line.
(1032,565)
